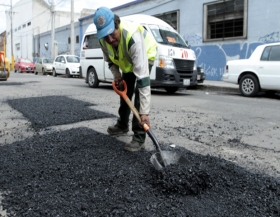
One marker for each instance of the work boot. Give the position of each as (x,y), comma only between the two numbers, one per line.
(134,146)
(115,130)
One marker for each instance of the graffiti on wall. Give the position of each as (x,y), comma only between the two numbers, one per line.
(213,58)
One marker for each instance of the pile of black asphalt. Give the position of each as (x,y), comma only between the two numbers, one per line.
(48,111)
(82,172)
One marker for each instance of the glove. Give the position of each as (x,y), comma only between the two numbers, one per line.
(119,83)
(144,120)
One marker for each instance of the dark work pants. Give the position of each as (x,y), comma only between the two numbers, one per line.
(124,110)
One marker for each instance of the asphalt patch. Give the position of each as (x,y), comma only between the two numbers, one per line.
(49,111)
(81,172)
(11,83)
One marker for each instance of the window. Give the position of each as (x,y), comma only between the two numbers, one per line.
(29,23)
(19,27)
(275,53)
(265,53)
(93,42)
(18,46)
(77,39)
(271,53)
(225,20)
(171,18)
(69,40)
(24,25)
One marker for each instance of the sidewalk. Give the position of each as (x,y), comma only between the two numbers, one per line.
(217,86)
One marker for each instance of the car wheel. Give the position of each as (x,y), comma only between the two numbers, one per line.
(43,71)
(92,78)
(54,73)
(249,85)
(68,73)
(171,89)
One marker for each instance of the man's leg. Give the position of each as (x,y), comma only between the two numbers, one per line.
(139,133)
(138,140)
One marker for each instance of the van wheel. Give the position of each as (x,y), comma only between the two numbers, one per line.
(249,85)
(92,78)
(171,89)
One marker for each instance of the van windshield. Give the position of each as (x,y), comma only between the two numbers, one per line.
(166,35)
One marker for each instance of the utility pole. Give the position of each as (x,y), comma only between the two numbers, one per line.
(72,28)
(53,32)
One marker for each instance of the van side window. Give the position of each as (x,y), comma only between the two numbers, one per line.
(91,42)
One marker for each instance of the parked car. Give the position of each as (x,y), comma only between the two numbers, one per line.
(43,65)
(200,75)
(258,73)
(66,65)
(24,65)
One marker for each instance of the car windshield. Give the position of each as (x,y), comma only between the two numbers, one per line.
(73,59)
(167,35)
(48,61)
(26,61)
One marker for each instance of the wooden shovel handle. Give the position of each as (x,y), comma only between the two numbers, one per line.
(128,102)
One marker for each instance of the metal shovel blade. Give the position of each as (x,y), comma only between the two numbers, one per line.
(168,157)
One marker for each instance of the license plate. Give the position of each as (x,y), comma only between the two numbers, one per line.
(198,77)
(186,82)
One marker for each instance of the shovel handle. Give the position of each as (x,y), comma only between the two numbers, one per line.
(128,102)
(135,112)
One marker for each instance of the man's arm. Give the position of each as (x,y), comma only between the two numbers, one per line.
(141,70)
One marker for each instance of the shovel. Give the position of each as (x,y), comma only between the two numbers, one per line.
(160,159)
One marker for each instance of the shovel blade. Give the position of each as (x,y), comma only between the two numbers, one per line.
(168,158)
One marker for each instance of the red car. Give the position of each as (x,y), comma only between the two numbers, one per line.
(24,65)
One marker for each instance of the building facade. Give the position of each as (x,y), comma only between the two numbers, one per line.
(27,21)
(217,31)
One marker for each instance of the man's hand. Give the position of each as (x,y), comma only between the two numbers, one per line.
(145,120)
(119,83)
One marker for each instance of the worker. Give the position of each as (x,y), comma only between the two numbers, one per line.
(128,47)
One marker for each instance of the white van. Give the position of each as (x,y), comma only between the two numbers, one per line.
(174,66)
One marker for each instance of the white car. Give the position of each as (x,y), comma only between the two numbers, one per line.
(261,72)
(43,65)
(68,65)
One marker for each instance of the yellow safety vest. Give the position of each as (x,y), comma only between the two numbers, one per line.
(123,59)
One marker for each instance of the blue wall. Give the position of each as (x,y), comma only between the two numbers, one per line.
(263,26)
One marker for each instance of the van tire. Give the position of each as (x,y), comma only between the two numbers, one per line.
(92,78)
(171,89)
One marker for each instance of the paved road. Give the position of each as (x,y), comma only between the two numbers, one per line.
(212,119)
